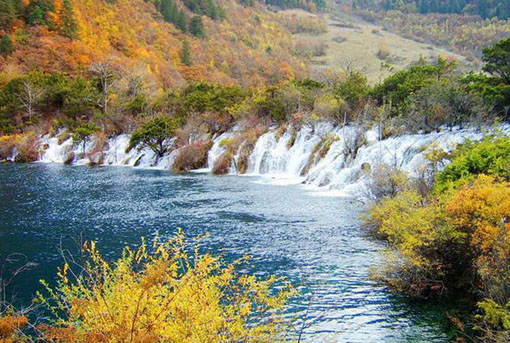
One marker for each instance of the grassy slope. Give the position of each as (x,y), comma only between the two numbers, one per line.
(362,41)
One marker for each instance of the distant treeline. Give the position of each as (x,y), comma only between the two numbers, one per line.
(483,8)
(308,4)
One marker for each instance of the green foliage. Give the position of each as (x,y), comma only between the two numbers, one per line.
(269,104)
(491,156)
(296,3)
(172,14)
(204,97)
(83,133)
(397,88)
(37,13)
(492,89)
(6,45)
(155,134)
(483,8)
(8,13)
(185,54)
(497,60)
(69,27)
(196,27)
(353,89)
(205,7)
(497,318)
(443,103)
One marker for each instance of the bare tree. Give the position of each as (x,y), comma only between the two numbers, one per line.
(104,72)
(29,98)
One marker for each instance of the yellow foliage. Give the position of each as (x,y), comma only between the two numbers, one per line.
(413,227)
(9,328)
(483,210)
(160,294)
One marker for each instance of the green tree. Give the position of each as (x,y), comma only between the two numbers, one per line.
(196,27)
(69,26)
(155,134)
(497,59)
(182,21)
(185,54)
(7,14)
(353,89)
(82,134)
(5,45)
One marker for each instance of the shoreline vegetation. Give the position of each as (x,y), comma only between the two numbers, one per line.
(448,227)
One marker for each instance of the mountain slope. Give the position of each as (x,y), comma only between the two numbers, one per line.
(247,47)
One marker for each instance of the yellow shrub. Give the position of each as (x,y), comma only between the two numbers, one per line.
(164,296)
(9,328)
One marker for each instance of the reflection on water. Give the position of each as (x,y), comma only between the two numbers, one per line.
(316,242)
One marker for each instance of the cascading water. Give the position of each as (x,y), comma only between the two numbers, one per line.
(320,156)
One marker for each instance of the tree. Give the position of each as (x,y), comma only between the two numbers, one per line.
(69,27)
(104,75)
(497,59)
(7,14)
(182,21)
(196,27)
(30,98)
(185,54)
(83,133)
(155,134)
(352,89)
(5,45)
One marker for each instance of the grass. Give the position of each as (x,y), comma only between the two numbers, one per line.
(360,44)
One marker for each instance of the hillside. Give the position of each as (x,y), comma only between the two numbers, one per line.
(246,45)
(347,42)
(462,26)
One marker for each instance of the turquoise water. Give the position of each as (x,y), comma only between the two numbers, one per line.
(316,242)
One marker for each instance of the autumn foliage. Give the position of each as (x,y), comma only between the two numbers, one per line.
(161,292)
(133,34)
(456,237)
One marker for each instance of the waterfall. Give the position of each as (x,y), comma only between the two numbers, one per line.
(319,156)
(217,149)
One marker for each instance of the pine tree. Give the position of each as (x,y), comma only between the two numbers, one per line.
(7,14)
(196,27)
(5,45)
(185,54)
(37,16)
(69,27)
(182,22)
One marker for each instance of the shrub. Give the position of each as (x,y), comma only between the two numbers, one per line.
(421,234)
(8,145)
(10,327)
(491,156)
(28,149)
(222,165)
(192,156)
(298,24)
(159,293)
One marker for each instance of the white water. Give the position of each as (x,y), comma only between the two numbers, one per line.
(279,162)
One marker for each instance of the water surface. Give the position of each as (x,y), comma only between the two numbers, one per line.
(316,242)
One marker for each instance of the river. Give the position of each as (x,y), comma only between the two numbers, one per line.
(314,241)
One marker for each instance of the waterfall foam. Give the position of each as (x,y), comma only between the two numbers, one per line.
(319,156)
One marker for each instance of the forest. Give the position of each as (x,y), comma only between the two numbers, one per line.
(482,8)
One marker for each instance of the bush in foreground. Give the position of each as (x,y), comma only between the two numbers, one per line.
(159,293)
